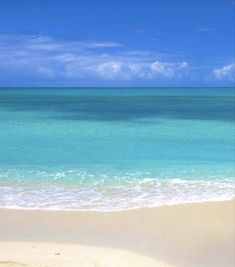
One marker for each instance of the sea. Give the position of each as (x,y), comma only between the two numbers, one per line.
(109,149)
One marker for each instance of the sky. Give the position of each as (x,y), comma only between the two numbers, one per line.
(117,43)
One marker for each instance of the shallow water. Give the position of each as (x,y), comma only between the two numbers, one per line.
(109,149)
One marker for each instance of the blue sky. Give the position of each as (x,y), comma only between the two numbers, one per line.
(117,43)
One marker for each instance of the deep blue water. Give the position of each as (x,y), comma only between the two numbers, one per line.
(115,148)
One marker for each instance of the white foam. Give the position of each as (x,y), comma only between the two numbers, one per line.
(125,194)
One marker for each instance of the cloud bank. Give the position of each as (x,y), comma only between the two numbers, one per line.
(225,73)
(34,58)
(45,58)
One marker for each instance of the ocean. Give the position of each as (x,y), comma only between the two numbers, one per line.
(109,149)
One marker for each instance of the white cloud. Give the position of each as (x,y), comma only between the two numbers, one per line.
(109,69)
(102,44)
(125,69)
(226,72)
(183,65)
(163,69)
(46,46)
(59,59)
(168,70)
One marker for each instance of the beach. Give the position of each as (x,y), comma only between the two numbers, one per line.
(104,177)
(198,234)
(117,132)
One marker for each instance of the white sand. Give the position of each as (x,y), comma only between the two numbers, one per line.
(200,235)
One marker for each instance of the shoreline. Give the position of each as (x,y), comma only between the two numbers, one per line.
(198,234)
(117,210)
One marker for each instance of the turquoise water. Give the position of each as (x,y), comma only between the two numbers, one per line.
(110,149)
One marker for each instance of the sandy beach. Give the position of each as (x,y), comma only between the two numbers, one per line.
(181,235)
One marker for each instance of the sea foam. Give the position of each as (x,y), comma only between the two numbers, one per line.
(105,194)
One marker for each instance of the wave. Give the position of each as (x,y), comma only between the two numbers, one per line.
(106,195)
